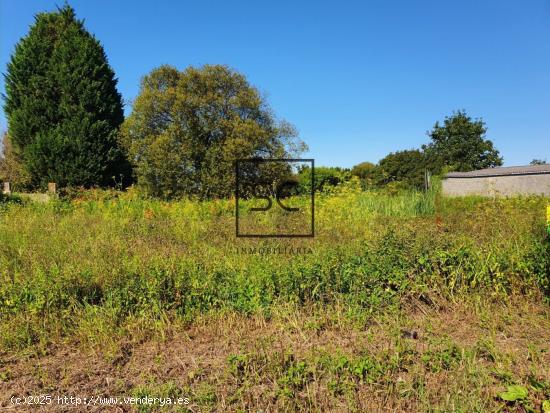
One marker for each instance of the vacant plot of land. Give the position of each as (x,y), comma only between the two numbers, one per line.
(460,358)
(400,303)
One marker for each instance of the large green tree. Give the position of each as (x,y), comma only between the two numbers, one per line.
(188,127)
(62,104)
(460,145)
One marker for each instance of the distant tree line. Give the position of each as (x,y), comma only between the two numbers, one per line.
(186,128)
(459,144)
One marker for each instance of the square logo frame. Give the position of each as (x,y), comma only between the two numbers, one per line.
(239,162)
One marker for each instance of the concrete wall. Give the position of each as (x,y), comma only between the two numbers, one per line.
(506,185)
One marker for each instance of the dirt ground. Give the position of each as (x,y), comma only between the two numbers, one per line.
(238,363)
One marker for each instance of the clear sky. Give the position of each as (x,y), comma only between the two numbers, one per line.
(358,79)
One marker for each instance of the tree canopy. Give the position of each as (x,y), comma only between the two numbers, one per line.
(405,167)
(62,105)
(363,170)
(188,127)
(460,145)
(325,177)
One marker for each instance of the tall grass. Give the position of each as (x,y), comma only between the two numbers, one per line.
(104,262)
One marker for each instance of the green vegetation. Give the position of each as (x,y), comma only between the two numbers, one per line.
(107,271)
(326,178)
(404,301)
(403,169)
(12,169)
(457,145)
(460,145)
(62,105)
(187,129)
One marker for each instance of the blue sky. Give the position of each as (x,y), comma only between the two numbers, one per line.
(358,79)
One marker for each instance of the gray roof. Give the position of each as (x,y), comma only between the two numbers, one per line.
(502,171)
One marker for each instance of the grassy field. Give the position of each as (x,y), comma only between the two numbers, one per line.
(403,302)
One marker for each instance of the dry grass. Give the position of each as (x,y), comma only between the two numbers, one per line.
(234,363)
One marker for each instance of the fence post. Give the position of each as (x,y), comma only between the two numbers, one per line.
(7,188)
(427,179)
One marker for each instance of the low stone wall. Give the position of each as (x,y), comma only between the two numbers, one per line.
(33,196)
(505,185)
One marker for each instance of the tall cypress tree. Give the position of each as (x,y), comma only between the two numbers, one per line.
(62,105)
